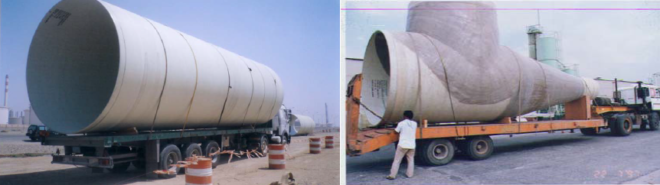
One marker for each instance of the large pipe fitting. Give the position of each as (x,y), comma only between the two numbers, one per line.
(449,67)
(95,67)
(303,125)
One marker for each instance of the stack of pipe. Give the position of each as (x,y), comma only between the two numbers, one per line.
(449,67)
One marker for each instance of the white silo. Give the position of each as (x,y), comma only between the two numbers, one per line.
(4,115)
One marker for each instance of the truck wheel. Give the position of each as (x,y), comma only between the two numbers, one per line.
(212,147)
(479,147)
(263,145)
(589,131)
(654,121)
(436,152)
(622,126)
(33,138)
(170,155)
(192,149)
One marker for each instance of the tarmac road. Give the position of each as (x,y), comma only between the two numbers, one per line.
(569,158)
(14,137)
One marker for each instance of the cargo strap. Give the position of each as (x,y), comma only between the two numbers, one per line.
(356,100)
(194,90)
(160,97)
(444,68)
(520,79)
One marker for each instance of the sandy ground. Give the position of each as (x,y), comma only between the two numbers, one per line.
(306,168)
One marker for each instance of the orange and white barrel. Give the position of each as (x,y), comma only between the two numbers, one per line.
(200,172)
(276,158)
(315,145)
(329,142)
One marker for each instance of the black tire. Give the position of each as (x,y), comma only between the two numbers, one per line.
(192,149)
(263,145)
(33,138)
(654,121)
(436,152)
(589,131)
(121,167)
(622,126)
(169,155)
(211,147)
(478,147)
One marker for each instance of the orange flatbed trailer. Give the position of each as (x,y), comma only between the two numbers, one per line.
(580,114)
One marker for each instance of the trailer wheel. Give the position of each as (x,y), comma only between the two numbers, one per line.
(263,145)
(654,121)
(479,147)
(192,149)
(212,147)
(170,155)
(589,131)
(436,152)
(622,126)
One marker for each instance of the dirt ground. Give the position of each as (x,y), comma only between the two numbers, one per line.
(306,168)
(15,142)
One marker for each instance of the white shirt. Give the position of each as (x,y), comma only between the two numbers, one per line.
(407,130)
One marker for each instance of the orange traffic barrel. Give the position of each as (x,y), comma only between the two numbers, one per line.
(276,158)
(200,172)
(329,142)
(315,145)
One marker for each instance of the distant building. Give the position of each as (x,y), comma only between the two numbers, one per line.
(4,115)
(29,117)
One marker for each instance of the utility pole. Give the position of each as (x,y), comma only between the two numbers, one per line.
(327,123)
(6,89)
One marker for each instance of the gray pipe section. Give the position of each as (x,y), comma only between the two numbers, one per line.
(449,67)
(94,67)
(303,125)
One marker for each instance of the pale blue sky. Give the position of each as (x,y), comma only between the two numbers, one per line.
(298,39)
(605,43)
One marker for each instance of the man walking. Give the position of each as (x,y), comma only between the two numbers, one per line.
(406,129)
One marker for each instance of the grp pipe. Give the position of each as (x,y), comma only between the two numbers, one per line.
(94,67)
(449,67)
(303,125)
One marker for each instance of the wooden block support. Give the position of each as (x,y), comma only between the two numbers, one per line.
(579,109)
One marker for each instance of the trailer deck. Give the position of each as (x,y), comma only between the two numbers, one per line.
(369,140)
(117,139)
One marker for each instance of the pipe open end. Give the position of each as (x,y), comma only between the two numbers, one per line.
(73,65)
(376,82)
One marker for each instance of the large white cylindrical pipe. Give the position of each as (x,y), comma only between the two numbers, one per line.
(449,67)
(95,67)
(303,125)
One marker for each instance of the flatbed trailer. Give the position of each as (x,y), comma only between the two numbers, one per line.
(159,150)
(437,143)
